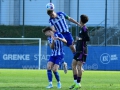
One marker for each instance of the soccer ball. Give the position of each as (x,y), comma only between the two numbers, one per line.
(50,6)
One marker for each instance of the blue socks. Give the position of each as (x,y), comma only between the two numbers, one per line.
(57,76)
(49,74)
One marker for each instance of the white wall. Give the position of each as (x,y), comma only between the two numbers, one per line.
(7,12)
(95,9)
(113,12)
(59,5)
(35,11)
(73,9)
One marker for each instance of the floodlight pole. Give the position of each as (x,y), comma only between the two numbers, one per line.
(105,21)
(23,18)
(0,12)
(77,17)
(50,1)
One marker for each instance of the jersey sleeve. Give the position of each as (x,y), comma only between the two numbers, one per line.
(65,15)
(49,40)
(85,34)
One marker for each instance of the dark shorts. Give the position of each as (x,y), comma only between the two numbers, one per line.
(68,37)
(56,59)
(81,55)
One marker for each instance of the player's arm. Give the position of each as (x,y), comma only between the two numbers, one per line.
(70,19)
(52,44)
(61,38)
(73,21)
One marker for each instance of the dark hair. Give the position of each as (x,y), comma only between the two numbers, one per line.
(46,29)
(84,18)
(49,12)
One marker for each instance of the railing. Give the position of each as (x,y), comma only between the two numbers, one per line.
(111,42)
(117,30)
(96,27)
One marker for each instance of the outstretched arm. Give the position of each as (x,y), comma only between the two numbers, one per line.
(72,20)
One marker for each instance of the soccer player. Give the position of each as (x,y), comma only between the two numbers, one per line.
(56,41)
(81,53)
(58,21)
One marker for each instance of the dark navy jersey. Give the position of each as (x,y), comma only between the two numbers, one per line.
(84,34)
(81,44)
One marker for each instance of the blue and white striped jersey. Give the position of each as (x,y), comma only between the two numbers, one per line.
(58,45)
(59,22)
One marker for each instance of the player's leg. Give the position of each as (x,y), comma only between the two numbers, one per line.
(64,65)
(74,69)
(85,56)
(80,60)
(57,76)
(79,75)
(70,41)
(49,72)
(72,48)
(69,44)
(55,70)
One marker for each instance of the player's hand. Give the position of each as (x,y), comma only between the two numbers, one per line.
(78,38)
(79,24)
(53,38)
(56,38)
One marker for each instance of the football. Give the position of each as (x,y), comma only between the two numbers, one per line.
(50,6)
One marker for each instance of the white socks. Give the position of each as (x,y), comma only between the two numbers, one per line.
(75,81)
(59,82)
(50,82)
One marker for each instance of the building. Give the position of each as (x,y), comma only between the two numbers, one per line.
(11,11)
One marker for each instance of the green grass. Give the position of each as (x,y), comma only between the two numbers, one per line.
(13,79)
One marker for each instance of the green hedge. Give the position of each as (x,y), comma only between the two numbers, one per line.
(17,31)
(29,31)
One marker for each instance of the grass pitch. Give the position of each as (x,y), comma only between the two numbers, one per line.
(14,79)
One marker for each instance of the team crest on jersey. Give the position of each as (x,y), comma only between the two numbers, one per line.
(80,31)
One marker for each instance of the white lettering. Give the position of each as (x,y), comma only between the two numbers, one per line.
(114,57)
(43,57)
(105,58)
(16,57)
(36,57)
(5,56)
